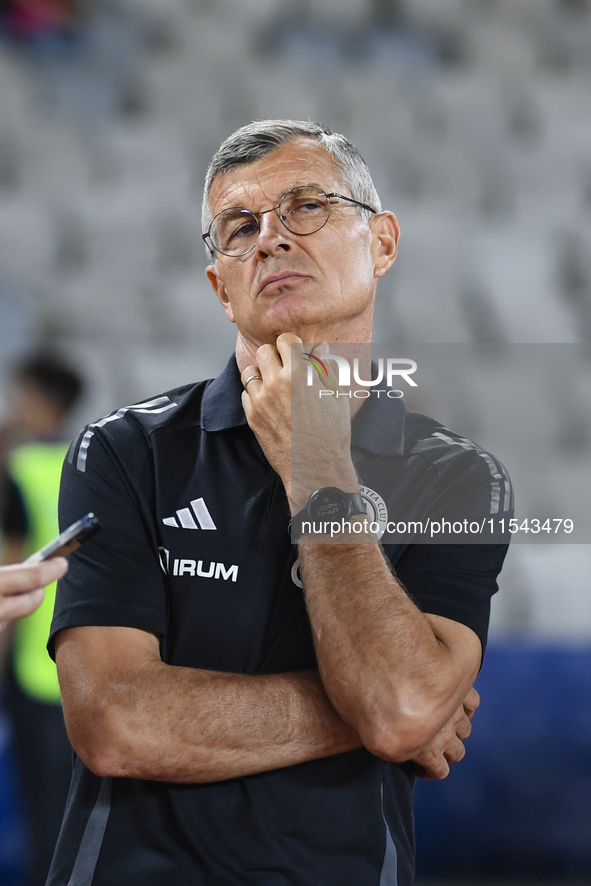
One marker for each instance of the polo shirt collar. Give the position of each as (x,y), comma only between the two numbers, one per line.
(378,427)
(221,407)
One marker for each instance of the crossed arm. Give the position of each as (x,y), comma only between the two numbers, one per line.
(130,715)
(391,678)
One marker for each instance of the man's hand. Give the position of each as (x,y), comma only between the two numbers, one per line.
(21,587)
(305,437)
(447,746)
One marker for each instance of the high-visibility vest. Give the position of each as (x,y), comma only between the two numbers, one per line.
(36,468)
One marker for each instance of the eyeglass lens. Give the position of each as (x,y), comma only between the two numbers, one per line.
(302,210)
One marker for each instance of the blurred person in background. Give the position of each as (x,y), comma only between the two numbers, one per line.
(232,722)
(45,392)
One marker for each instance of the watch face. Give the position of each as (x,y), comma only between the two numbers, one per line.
(328,504)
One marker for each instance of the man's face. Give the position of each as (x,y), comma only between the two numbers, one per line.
(33,412)
(320,286)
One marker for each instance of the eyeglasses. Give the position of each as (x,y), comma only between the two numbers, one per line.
(303,210)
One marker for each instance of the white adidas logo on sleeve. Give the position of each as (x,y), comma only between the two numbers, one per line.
(185,517)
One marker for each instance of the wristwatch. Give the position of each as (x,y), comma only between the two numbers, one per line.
(327,505)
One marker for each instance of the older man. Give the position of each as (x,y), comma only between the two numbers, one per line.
(235,723)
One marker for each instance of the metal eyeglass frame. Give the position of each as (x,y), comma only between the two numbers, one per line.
(213,248)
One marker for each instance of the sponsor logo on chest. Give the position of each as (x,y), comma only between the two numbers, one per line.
(201,569)
(376,509)
(184,566)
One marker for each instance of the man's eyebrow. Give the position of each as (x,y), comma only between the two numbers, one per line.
(237,210)
(238,206)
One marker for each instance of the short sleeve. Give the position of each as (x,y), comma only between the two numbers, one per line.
(454,581)
(115,578)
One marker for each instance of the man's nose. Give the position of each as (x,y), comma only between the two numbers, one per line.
(273,235)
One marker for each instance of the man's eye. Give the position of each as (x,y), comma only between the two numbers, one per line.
(245,230)
(307,207)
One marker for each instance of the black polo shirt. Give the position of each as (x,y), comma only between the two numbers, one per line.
(195,547)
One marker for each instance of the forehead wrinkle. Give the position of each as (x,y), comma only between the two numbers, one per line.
(260,175)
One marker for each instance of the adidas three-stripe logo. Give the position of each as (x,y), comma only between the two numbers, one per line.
(185,517)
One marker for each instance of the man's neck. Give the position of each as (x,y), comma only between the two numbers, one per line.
(246,350)
(351,350)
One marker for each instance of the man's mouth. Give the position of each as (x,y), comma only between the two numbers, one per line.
(275,281)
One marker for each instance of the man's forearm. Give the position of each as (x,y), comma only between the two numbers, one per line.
(155,721)
(231,725)
(385,668)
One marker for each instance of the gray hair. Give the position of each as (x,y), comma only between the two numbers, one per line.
(256,140)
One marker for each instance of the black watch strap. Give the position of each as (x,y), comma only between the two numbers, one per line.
(354,501)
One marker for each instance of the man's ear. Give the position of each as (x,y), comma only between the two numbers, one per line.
(386,233)
(220,290)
